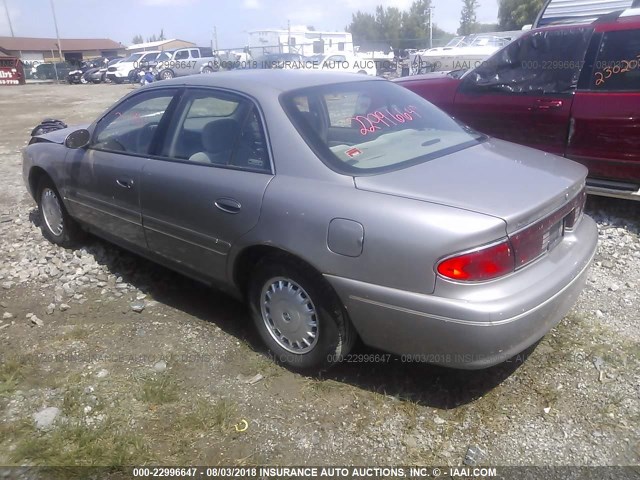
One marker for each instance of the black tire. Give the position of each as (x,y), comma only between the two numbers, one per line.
(207,70)
(117,80)
(335,333)
(70,232)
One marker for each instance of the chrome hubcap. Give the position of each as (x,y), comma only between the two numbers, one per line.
(52,211)
(289,315)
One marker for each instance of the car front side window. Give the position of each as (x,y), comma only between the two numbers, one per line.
(545,62)
(182,55)
(129,128)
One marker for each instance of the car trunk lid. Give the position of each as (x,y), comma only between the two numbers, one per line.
(517,184)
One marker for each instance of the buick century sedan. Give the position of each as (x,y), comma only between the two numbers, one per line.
(337,205)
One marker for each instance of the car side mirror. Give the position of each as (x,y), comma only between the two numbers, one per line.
(78,139)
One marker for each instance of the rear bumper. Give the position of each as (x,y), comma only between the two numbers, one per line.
(485,324)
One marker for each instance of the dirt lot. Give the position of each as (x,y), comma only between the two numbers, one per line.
(88,380)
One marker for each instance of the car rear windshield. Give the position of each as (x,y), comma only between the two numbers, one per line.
(368,127)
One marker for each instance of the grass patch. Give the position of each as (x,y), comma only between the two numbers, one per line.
(72,403)
(208,416)
(158,389)
(77,333)
(322,387)
(11,373)
(73,443)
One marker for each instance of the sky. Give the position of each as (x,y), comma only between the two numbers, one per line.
(194,20)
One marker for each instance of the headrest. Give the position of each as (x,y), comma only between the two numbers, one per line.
(220,135)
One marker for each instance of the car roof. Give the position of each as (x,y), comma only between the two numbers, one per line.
(629,18)
(260,82)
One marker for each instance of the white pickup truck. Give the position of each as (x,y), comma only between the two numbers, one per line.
(185,61)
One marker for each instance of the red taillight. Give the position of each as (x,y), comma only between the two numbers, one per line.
(484,264)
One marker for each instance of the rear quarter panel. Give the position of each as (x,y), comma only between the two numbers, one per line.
(403,238)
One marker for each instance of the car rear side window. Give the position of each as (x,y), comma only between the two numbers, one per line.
(217,128)
(129,128)
(617,66)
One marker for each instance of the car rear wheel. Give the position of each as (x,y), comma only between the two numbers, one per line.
(56,224)
(298,315)
(166,74)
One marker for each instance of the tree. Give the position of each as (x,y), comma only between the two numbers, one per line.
(468,19)
(389,22)
(485,27)
(364,28)
(152,38)
(137,39)
(391,26)
(162,37)
(514,14)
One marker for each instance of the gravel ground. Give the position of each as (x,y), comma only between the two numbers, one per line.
(126,362)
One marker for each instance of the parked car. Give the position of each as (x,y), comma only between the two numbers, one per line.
(337,205)
(276,60)
(100,75)
(85,69)
(51,71)
(127,69)
(343,62)
(185,61)
(571,90)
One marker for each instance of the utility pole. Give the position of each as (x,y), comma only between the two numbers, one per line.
(6,9)
(55,23)
(288,36)
(215,39)
(430,20)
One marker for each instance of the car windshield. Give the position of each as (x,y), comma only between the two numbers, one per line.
(133,58)
(454,42)
(373,126)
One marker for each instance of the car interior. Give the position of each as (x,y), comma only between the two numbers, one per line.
(207,131)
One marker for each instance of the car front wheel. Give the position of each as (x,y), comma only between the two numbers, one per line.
(166,74)
(56,224)
(298,315)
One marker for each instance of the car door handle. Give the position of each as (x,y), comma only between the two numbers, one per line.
(124,182)
(548,104)
(228,205)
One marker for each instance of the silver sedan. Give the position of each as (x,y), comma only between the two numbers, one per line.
(338,205)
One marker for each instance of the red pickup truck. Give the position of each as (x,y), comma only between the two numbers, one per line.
(571,90)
